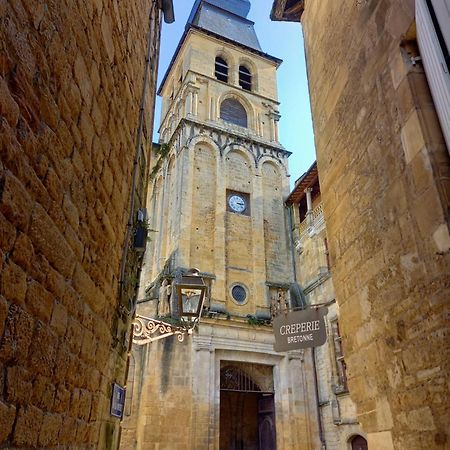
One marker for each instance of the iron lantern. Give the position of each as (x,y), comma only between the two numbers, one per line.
(191,292)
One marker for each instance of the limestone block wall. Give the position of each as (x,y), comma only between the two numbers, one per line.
(200,93)
(312,259)
(337,410)
(176,389)
(161,405)
(71,77)
(204,49)
(203,223)
(384,170)
(194,228)
(275,231)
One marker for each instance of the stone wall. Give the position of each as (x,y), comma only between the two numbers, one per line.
(71,78)
(384,171)
(337,411)
(175,402)
(176,386)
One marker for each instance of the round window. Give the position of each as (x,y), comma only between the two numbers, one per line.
(239,294)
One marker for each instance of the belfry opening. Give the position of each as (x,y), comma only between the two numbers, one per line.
(247,407)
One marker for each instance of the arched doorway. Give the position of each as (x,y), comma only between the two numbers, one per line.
(247,409)
(358,443)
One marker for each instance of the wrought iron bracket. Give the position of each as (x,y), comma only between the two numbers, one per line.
(147,330)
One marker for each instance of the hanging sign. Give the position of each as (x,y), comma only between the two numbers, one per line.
(300,329)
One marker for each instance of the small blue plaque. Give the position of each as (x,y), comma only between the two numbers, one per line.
(117,400)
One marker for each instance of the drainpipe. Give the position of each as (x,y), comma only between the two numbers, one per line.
(167,7)
(316,384)
(137,157)
(291,237)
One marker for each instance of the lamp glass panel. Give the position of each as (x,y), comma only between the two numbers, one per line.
(190,300)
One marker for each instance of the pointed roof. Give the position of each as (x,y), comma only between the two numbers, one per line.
(226,18)
(237,7)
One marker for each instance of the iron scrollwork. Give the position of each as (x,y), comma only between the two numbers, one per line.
(146,330)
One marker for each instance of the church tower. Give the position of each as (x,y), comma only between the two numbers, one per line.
(218,198)
(216,203)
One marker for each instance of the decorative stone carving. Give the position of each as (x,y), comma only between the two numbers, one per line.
(165,292)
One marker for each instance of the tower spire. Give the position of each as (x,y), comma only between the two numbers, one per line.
(225,18)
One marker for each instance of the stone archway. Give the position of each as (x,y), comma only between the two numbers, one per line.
(358,443)
(247,411)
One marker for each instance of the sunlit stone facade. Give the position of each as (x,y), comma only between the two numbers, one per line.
(216,202)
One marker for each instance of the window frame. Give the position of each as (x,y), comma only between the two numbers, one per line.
(246,84)
(228,112)
(221,63)
(435,64)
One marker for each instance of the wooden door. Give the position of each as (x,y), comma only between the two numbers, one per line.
(266,423)
(359,443)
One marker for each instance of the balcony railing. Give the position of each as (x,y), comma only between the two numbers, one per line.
(303,227)
(317,212)
(312,222)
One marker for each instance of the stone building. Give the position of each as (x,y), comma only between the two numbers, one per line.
(217,204)
(339,428)
(379,84)
(73,110)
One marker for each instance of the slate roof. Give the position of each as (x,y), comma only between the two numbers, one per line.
(227,19)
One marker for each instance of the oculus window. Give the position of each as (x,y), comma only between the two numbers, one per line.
(239,294)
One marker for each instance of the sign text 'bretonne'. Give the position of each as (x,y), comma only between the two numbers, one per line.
(300,329)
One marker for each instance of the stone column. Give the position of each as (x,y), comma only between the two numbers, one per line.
(259,256)
(186,163)
(188,103)
(276,119)
(219,286)
(202,425)
(309,217)
(195,103)
(211,108)
(261,125)
(272,127)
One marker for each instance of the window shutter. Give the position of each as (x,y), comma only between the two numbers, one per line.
(245,78)
(221,69)
(442,11)
(435,66)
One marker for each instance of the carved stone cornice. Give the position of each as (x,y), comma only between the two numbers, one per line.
(224,137)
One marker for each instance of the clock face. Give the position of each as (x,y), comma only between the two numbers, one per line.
(237,203)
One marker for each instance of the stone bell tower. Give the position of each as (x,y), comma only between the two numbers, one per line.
(218,197)
(217,203)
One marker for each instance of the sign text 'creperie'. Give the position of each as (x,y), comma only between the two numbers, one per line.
(300,329)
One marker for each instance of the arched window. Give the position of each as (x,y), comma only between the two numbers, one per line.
(245,78)
(221,69)
(232,111)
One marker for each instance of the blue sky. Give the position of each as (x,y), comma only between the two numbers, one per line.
(283,40)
